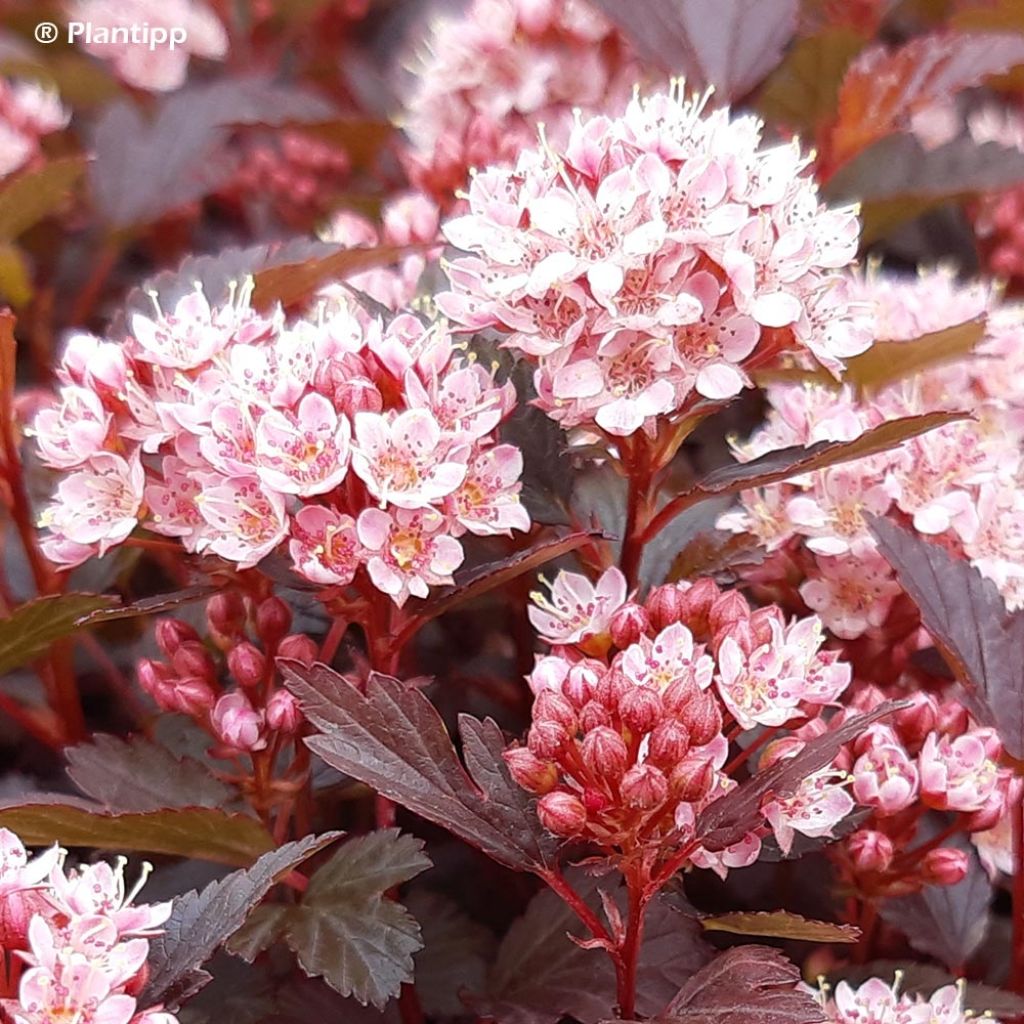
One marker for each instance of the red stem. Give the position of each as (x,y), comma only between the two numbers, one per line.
(637,502)
(630,952)
(1017,970)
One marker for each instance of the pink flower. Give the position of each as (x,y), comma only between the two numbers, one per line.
(324,547)
(405,461)
(886,778)
(173,506)
(238,724)
(577,608)
(957,774)
(874,1002)
(666,659)
(100,890)
(74,431)
(408,551)
(851,595)
(818,805)
(73,992)
(305,452)
(245,521)
(487,501)
(17,872)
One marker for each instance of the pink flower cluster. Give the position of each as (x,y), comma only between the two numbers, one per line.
(655,259)
(160,68)
(411,219)
(248,635)
(877,1002)
(962,484)
(633,706)
(928,757)
(354,446)
(27,113)
(489,77)
(74,943)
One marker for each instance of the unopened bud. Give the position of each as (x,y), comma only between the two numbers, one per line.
(283,712)
(562,813)
(679,695)
(273,620)
(760,626)
(534,774)
(945,866)
(193,659)
(172,633)
(546,739)
(247,664)
(237,723)
(990,741)
(595,800)
(870,850)
(668,744)
(665,605)
(605,753)
(727,610)
(697,602)
(692,779)
(594,715)
(298,647)
(702,718)
(553,707)
(578,686)
(914,723)
(628,624)
(643,787)
(640,709)
(225,613)
(192,696)
(952,718)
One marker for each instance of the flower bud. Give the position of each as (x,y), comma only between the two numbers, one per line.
(273,620)
(192,696)
(665,605)
(553,707)
(989,815)
(247,664)
(300,648)
(605,752)
(702,718)
(870,850)
(193,659)
(952,718)
(531,772)
(595,800)
(692,779)
(172,633)
(640,709)
(611,687)
(578,686)
(990,741)
(914,723)
(156,679)
(679,695)
(283,712)
(668,744)
(643,787)
(628,624)
(562,813)
(237,723)
(697,602)
(759,626)
(225,613)
(593,716)
(728,609)
(945,866)
(546,739)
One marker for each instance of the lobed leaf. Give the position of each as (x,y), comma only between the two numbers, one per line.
(140,775)
(200,922)
(779,924)
(728,44)
(29,630)
(729,818)
(968,621)
(206,833)
(393,739)
(744,985)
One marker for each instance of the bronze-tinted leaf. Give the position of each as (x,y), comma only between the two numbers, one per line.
(779,924)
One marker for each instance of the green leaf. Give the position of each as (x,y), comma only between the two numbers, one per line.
(347,931)
(140,775)
(200,922)
(29,197)
(779,924)
(30,629)
(205,833)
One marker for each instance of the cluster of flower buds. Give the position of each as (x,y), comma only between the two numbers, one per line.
(197,32)
(363,450)
(878,1002)
(74,944)
(487,79)
(929,757)
(229,684)
(638,706)
(411,219)
(962,484)
(295,174)
(655,258)
(27,113)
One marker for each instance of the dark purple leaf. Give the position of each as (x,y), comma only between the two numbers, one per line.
(140,775)
(158,604)
(745,985)
(540,974)
(393,740)
(947,922)
(729,44)
(201,921)
(967,618)
(729,818)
